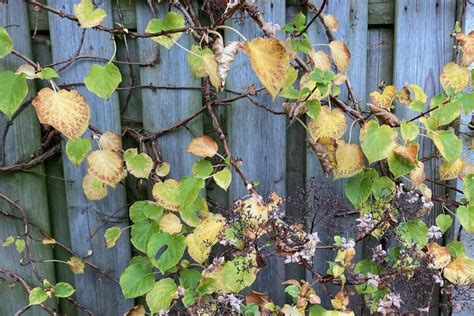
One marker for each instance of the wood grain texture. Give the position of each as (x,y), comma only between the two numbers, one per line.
(29,189)
(161,107)
(258,137)
(326,197)
(419,58)
(88,220)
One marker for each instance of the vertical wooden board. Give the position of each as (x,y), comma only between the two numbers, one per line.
(258,137)
(29,189)
(161,107)
(419,58)
(87,219)
(55,186)
(326,196)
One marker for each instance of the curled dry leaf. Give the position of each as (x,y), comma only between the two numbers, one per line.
(440,256)
(138,310)
(320,60)
(349,159)
(224,57)
(322,155)
(454,77)
(340,54)
(111,141)
(203,146)
(451,170)
(76,265)
(294,109)
(385,99)
(66,111)
(328,124)
(270,61)
(106,165)
(467,47)
(385,116)
(417,175)
(93,188)
(331,22)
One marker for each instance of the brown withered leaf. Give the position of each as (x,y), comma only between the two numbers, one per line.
(110,140)
(340,54)
(385,116)
(385,99)
(467,47)
(138,310)
(320,60)
(203,146)
(331,22)
(224,56)
(322,155)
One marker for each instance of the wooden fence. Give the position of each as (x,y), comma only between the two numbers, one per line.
(391,41)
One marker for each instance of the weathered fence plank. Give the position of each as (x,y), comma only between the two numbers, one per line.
(87,219)
(29,189)
(258,136)
(327,196)
(418,59)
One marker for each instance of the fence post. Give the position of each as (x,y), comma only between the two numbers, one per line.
(87,219)
(29,189)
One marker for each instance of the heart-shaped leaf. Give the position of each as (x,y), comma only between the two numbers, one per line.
(93,188)
(103,80)
(171,21)
(87,15)
(77,150)
(106,166)
(13,90)
(140,165)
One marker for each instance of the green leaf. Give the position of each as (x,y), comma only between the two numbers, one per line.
(111,236)
(314,108)
(465,216)
(175,247)
(8,241)
(87,15)
(456,248)
(383,188)
(468,186)
(239,273)
(223,178)
(419,98)
(366,266)
(141,232)
(189,278)
(6,43)
(161,295)
(189,214)
(409,131)
(189,297)
(63,289)
(444,221)
(207,286)
(20,245)
(399,165)
(47,74)
(172,20)
(138,278)
(202,168)
(292,290)
(414,231)
(378,141)
(196,63)
(446,113)
(13,90)
(188,190)
(37,296)
(103,80)
(358,187)
(77,150)
(448,144)
(139,165)
(467,101)
(141,210)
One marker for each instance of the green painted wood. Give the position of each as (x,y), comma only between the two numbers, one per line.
(419,58)
(258,137)
(56,190)
(87,219)
(29,189)
(326,197)
(162,108)
(381,12)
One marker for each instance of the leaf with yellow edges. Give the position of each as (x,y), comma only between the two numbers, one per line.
(166,194)
(460,271)
(87,15)
(330,124)
(170,223)
(451,170)
(93,188)
(384,99)
(66,111)
(270,61)
(340,54)
(204,236)
(106,165)
(349,159)
(454,77)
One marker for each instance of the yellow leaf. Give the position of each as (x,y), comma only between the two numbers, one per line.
(417,175)
(454,77)
(349,159)
(340,301)
(467,48)
(451,170)
(204,236)
(460,271)
(106,165)
(93,188)
(166,194)
(340,54)
(170,223)
(66,111)
(384,99)
(48,241)
(76,265)
(331,22)
(162,169)
(440,255)
(110,140)
(270,61)
(211,69)
(320,60)
(203,146)
(330,124)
